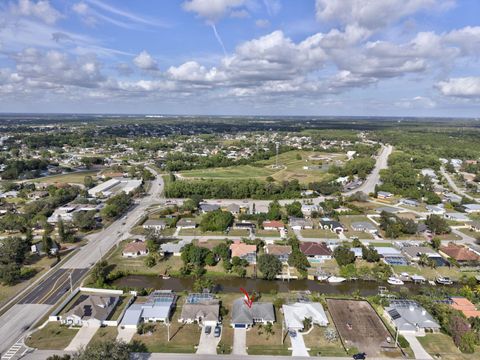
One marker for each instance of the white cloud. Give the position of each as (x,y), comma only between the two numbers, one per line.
(40,9)
(80,8)
(145,61)
(373,14)
(212,10)
(468,87)
(262,23)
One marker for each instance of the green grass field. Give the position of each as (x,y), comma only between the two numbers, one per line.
(441,344)
(292,168)
(52,337)
(74,177)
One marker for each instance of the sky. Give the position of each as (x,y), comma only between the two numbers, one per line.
(241,57)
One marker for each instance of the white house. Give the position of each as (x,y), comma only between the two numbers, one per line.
(294,314)
(134,249)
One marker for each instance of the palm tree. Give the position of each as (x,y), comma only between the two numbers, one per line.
(423,259)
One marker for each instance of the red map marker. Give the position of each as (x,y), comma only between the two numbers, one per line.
(249,300)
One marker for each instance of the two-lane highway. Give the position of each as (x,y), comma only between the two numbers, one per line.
(41,297)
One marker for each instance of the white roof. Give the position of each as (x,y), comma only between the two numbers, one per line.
(294,314)
(103,186)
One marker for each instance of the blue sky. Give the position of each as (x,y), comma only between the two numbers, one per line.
(265,57)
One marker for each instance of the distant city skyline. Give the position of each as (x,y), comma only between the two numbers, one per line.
(241,57)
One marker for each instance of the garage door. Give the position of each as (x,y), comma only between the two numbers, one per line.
(240,326)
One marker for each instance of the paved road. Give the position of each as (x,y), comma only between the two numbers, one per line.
(16,322)
(454,186)
(374,178)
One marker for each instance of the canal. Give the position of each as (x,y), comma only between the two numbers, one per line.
(365,288)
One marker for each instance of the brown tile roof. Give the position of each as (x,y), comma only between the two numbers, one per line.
(135,246)
(313,248)
(465,306)
(242,249)
(273,223)
(459,253)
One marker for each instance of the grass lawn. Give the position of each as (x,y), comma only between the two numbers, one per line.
(443,345)
(183,338)
(379,244)
(429,273)
(198,232)
(318,233)
(74,177)
(347,221)
(52,337)
(319,345)
(259,342)
(104,334)
(238,232)
(328,266)
(122,303)
(292,168)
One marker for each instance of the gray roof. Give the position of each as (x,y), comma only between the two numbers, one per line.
(174,247)
(209,207)
(408,315)
(387,209)
(242,314)
(207,310)
(93,307)
(154,222)
(415,251)
(363,225)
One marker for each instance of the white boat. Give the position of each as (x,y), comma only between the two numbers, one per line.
(444,280)
(392,280)
(323,277)
(336,279)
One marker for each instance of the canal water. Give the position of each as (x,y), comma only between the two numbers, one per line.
(365,288)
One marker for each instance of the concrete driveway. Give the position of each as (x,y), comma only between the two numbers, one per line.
(208,343)
(239,342)
(126,334)
(417,348)
(298,346)
(83,337)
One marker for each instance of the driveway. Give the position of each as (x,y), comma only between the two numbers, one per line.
(208,343)
(83,337)
(298,346)
(239,342)
(417,348)
(126,334)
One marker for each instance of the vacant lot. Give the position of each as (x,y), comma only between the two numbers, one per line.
(318,343)
(359,326)
(319,234)
(74,177)
(291,167)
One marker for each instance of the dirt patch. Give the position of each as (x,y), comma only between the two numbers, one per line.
(359,326)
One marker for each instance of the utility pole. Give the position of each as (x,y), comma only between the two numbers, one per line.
(71,281)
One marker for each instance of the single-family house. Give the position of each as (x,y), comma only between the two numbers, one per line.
(273,225)
(134,249)
(471,208)
(308,209)
(282,252)
(409,317)
(387,209)
(200,308)
(452,197)
(384,195)
(465,306)
(413,253)
(316,252)
(205,207)
(244,316)
(37,248)
(365,226)
(456,216)
(154,224)
(157,308)
(35,195)
(435,209)
(173,248)
(294,314)
(244,225)
(244,251)
(332,225)
(300,223)
(93,309)
(233,208)
(461,254)
(475,226)
(410,202)
(185,223)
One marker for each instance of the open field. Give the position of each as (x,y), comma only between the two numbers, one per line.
(104,334)
(443,345)
(74,177)
(52,337)
(359,326)
(318,233)
(291,163)
(429,273)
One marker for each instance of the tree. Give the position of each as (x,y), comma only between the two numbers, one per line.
(294,209)
(210,259)
(222,250)
(343,255)
(150,261)
(217,220)
(423,259)
(88,182)
(274,211)
(437,224)
(269,265)
(100,273)
(370,254)
(436,242)
(84,220)
(109,349)
(47,244)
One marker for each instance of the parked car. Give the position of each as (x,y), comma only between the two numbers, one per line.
(292,333)
(208,329)
(217,331)
(360,356)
